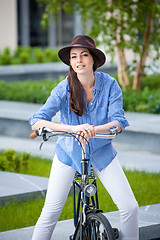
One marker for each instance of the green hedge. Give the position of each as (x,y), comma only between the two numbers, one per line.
(147,100)
(27,91)
(25,55)
(22,162)
(13,162)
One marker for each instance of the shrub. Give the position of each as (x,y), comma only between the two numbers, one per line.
(3,163)
(151,81)
(9,157)
(51,56)
(38,54)
(146,100)
(17,162)
(12,161)
(5,58)
(35,91)
(7,51)
(25,159)
(24,55)
(48,53)
(17,51)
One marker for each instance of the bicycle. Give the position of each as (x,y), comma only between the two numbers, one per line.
(89,222)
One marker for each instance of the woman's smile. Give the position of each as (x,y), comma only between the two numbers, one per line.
(80,66)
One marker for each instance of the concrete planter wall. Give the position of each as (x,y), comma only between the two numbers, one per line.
(40,71)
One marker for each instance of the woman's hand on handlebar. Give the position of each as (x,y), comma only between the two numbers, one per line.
(85,131)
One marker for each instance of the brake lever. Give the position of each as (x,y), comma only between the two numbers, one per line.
(40,147)
(43,133)
(45,138)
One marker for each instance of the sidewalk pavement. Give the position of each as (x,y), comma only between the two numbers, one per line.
(149,225)
(15,186)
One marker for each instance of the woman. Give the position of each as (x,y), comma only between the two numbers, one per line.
(89,102)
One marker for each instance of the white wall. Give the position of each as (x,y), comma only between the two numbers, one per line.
(8,24)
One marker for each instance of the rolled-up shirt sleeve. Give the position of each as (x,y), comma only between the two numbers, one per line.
(115,108)
(51,107)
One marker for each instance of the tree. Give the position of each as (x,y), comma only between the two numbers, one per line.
(119,25)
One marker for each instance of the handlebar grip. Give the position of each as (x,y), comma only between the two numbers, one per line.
(33,135)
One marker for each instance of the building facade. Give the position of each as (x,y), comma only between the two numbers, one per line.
(20,25)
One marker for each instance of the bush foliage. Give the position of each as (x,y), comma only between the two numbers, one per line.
(24,55)
(13,162)
(146,100)
(27,91)
(22,162)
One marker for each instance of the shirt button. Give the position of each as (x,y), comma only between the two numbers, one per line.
(91,104)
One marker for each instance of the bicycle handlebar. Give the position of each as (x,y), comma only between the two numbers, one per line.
(42,131)
(33,135)
(113,133)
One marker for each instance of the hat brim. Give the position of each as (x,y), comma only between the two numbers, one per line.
(64,54)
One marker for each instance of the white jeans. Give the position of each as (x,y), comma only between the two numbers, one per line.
(116,184)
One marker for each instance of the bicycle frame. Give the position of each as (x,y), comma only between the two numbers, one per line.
(86,200)
(89,204)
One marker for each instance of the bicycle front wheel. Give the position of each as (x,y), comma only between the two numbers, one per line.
(97,227)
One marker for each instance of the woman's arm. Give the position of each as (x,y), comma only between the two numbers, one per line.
(85,130)
(52,125)
(101,129)
(104,129)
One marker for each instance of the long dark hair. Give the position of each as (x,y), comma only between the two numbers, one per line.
(76,90)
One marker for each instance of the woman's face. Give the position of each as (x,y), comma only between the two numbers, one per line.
(81,60)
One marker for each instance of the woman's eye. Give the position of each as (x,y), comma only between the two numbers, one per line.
(73,57)
(85,55)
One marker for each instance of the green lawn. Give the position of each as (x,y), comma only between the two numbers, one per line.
(23,214)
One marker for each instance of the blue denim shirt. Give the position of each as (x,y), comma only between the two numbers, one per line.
(106,106)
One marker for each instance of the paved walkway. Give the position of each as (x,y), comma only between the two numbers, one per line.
(149,225)
(21,186)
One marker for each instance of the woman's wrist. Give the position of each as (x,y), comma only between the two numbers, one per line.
(104,129)
(101,129)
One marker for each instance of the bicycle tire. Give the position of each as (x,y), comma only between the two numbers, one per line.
(97,227)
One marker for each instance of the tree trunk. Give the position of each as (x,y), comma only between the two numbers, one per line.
(125,73)
(120,75)
(122,63)
(140,70)
(140,66)
(123,77)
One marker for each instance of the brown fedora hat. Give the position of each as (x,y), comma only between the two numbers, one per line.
(82,41)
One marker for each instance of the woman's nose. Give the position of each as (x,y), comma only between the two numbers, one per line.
(79,58)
